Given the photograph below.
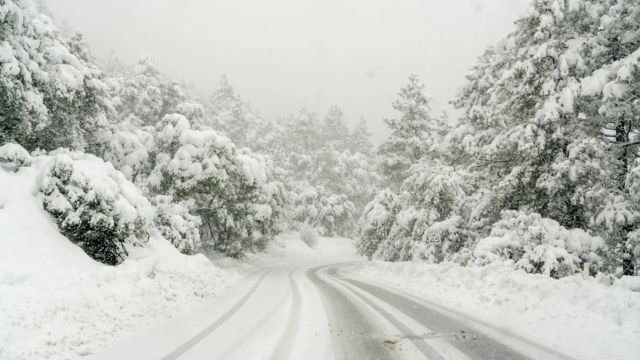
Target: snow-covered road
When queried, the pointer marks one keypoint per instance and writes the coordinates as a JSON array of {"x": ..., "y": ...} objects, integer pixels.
[{"x": 309, "y": 311}]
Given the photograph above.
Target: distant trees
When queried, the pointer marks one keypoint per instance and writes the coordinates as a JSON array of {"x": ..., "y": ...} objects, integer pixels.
[
  {"x": 327, "y": 170},
  {"x": 329, "y": 181}
]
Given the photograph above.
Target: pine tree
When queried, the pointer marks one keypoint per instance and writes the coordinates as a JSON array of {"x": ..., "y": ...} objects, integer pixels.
[
  {"x": 51, "y": 92},
  {"x": 360, "y": 139},
  {"x": 411, "y": 134},
  {"x": 334, "y": 129},
  {"x": 232, "y": 115}
]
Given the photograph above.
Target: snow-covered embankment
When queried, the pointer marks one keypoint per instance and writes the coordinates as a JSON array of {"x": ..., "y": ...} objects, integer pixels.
[{"x": 58, "y": 303}]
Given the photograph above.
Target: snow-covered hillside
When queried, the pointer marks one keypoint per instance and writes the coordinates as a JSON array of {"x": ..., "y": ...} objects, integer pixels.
[{"x": 58, "y": 303}]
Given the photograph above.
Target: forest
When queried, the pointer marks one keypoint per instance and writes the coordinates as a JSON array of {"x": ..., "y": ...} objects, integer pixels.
[{"x": 541, "y": 170}]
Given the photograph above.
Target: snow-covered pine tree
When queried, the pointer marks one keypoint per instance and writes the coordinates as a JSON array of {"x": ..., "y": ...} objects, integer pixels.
[
  {"x": 51, "y": 93},
  {"x": 376, "y": 222},
  {"x": 543, "y": 124},
  {"x": 527, "y": 122},
  {"x": 227, "y": 112},
  {"x": 613, "y": 90},
  {"x": 334, "y": 130},
  {"x": 360, "y": 139},
  {"x": 411, "y": 134}
]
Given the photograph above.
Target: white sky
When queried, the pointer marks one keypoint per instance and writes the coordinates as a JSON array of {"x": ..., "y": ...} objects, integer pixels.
[{"x": 284, "y": 54}]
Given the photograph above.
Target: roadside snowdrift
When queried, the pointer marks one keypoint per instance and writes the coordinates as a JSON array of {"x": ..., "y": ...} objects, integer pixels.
[
  {"x": 58, "y": 303},
  {"x": 584, "y": 318}
]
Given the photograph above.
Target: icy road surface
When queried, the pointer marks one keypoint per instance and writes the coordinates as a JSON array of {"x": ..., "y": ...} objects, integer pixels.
[{"x": 310, "y": 312}]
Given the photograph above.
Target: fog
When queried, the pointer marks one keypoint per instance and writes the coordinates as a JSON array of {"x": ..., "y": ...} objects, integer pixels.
[{"x": 282, "y": 55}]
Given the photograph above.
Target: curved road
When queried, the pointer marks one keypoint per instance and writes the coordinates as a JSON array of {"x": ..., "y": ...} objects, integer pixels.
[{"x": 311, "y": 312}]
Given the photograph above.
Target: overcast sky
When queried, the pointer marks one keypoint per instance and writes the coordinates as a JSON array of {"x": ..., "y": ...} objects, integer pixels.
[{"x": 285, "y": 54}]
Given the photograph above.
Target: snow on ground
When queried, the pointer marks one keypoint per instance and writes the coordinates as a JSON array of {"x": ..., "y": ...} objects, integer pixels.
[
  {"x": 287, "y": 248},
  {"x": 584, "y": 318},
  {"x": 57, "y": 303}
]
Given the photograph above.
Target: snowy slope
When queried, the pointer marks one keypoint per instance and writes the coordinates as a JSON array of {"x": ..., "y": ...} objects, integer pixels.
[
  {"x": 581, "y": 317},
  {"x": 27, "y": 231},
  {"x": 57, "y": 303}
]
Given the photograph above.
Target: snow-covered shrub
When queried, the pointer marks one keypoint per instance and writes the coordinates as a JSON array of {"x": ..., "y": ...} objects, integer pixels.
[
  {"x": 177, "y": 225},
  {"x": 309, "y": 235},
  {"x": 127, "y": 146},
  {"x": 95, "y": 206},
  {"x": 231, "y": 190},
  {"x": 376, "y": 222},
  {"x": 13, "y": 157},
  {"x": 539, "y": 245},
  {"x": 447, "y": 240}
]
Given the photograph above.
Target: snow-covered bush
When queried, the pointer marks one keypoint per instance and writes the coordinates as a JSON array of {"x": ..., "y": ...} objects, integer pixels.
[
  {"x": 13, "y": 157},
  {"x": 127, "y": 146},
  {"x": 447, "y": 240},
  {"x": 309, "y": 235},
  {"x": 95, "y": 206},
  {"x": 539, "y": 245},
  {"x": 177, "y": 225},
  {"x": 231, "y": 190}
]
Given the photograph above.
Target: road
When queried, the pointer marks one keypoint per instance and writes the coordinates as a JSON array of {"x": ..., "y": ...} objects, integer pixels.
[{"x": 312, "y": 312}]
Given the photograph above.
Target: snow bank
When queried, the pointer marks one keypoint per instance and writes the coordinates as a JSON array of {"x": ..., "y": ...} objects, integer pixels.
[
  {"x": 585, "y": 318},
  {"x": 57, "y": 303}
]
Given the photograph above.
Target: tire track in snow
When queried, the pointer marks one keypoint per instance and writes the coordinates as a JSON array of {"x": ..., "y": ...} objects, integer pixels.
[
  {"x": 259, "y": 324},
  {"x": 429, "y": 352},
  {"x": 209, "y": 329},
  {"x": 285, "y": 343},
  {"x": 484, "y": 347},
  {"x": 353, "y": 334}
]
